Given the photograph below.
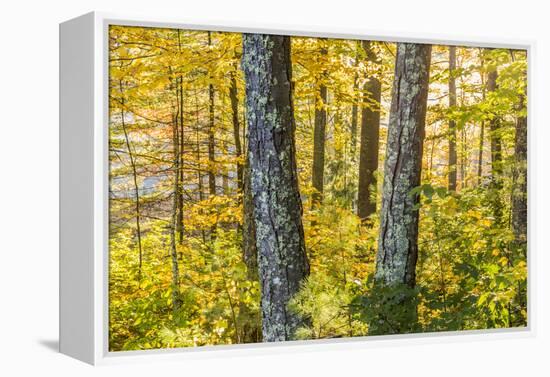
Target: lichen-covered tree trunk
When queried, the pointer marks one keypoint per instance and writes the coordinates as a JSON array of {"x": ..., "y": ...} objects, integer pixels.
[
  {"x": 251, "y": 330},
  {"x": 250, "y": 252},
  {"x": 519, "y": 197},
  {"x": 319, "y": 131},
  {"x": 452, "y": 123},
  {"x": 370, "y": 134},
  {"x": 519, "y": 211},
  {"x": 243, "y": 184},
  {"x": 282, "y": 260},
  {"x": 398, "y": 239}
]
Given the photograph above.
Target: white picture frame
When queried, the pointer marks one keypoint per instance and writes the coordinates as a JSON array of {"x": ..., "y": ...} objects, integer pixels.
[{"x": 84, "y": 190}]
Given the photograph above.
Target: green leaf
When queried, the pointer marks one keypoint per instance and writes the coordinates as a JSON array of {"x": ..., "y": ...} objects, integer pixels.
[{"x": 483, "y": 298}]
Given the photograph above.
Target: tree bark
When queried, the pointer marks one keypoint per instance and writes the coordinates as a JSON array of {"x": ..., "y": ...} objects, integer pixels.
[
  {"x": 179, "y": 193},
  {"x": 248, "y": 229},
  {"x": 176, "y": 300},
  {"x": 480, "y": 153},
  {"x": 317, "y": 176},
  {"x": 494, "y": 126},
  {"x": 398, "y": 240},
  {"x": 134, "y": 176},
  {"x": 180, "y": 227},
  {"x": 452, "y": 123},
  {"x": 354, "y": 109},
  {"x": 211, "y": 140},
  {"x": 482, "y": 129},
  {"x": 496, "y": 152},
  {"x": 250, "y": 251},
  {"x": 519, "y": 196},
  {"x": 370, "y": 134},
  {"x": 282, "y": 260},
  {"x": 198, "y": 158},
  {"x": 234, "y": 99},
  {"x": 212, "y": 166}
]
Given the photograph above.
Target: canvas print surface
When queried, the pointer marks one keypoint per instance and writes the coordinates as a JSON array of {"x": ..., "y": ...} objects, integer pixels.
[{"x": 271, "y": 188}]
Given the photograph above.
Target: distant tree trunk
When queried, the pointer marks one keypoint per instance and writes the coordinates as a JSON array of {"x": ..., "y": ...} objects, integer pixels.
[
  {"x": 282, "y": 260},
  {"x": 464, "y": 158},
  {"x": 519, "y": 196},
  {"x": 211, "y": 144},
  {"x": 354, "y": 108},
  {"x": 480, "y": 152},
  {"x": 181, "y": 141},
  {"x": 224, "y": 168},
  {"x": 198, "y": 158},
  {"x": 211, "y": 140},
  {"x": 319, "y": 131},
  {"x": 233, "y": 97},
  {"x": 452, "y": 123},
  {"x": 398, "y": 240},
  {"x": 176, "y": 300},
  {"x": 482, "y": 129},
  {"x": 494, "y": 125},
  {"x": 212, "y": 166},
  {"x": 496, "y": 152},
  {"x": 134, "y": 176},
  {"x": 353, "y": 128},
  {"x": 180, "y": 227},
  {"x": 370, "y": 134}
]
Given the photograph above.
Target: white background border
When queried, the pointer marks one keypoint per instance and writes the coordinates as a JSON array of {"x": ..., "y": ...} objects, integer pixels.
[{"x": 28, "y": 272}]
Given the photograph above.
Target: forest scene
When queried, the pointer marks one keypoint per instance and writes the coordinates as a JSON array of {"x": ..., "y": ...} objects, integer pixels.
[{"x": 272, "y": 188}]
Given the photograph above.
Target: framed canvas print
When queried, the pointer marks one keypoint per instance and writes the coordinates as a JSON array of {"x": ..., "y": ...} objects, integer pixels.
[{"x": 231, "y": 188}]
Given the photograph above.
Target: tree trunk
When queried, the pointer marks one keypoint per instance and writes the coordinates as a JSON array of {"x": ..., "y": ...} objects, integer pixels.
[
  {"x": 398, "y": 240},
  {"x": 452, "y": 123},
  {"x": 211, "y": 140},
  {"x": 317, "y": 176},
  {"x": 180, "y": 227},
  {"x": 198, "y": 157},
  {"x": 179, "y": 193},
  {"x": 211, "y": 144},
  {"x": 368, "y": 150},
  {"x": 354, "y": 109},
  {"x": 282, "y": 260},
  {"x": 176, "y": 300},
  {"x": 212, "y": 166},
  {"x": 136, "y": 186},
  {"x": 236, "y": 129},
  {"x": 480, "y": 153},
  {"x": 519, "y": 196},
  {"x": 250, "y": 252},
  {"x": 482, "y": 130},
  {"x": 494, "y": 126},
  {"x": 496, "y": 153}
]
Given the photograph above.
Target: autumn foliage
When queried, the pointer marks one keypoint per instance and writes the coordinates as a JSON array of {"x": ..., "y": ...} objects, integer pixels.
[{"x": 180, "y": 271}]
